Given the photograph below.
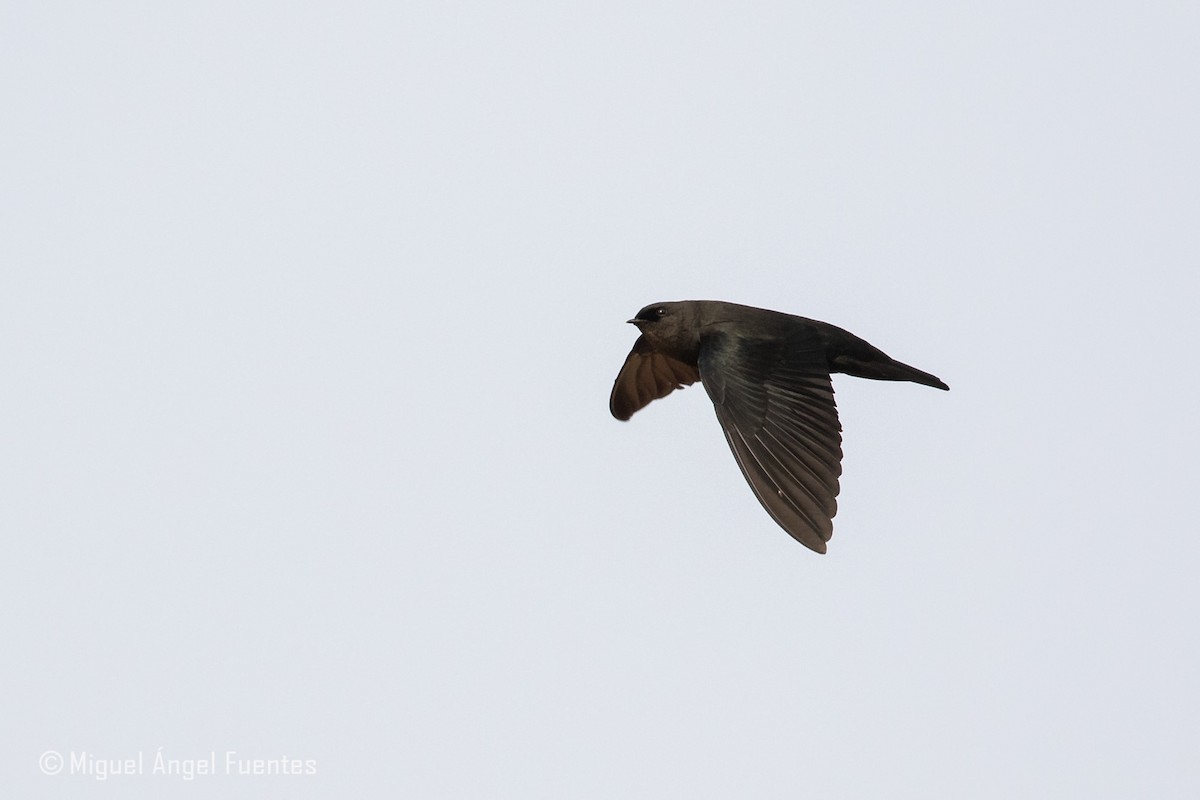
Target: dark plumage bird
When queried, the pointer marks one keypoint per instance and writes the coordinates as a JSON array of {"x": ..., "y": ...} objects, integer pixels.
[{"x": 767, "y": 373}]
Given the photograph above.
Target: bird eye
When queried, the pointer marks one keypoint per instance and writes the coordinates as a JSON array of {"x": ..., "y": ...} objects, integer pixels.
[{"x": 652, "y": 313}]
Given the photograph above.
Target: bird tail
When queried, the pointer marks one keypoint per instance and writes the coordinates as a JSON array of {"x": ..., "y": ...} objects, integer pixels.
[
  {"x": 906, "y": 373},
  {"x": 888, "y": 369}
]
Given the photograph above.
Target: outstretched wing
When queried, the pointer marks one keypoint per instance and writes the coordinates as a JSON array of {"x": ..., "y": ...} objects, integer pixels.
[
  {"x": 646, "y": 376},
  {"x": 775, "y": 402}
]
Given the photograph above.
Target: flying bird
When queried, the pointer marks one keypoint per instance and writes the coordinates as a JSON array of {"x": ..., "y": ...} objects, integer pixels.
[{"x": 768, "y": 375}]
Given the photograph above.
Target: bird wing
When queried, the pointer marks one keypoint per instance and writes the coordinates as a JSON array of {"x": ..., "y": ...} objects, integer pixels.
[
  {"x": 774, "y": 400},
  {"x": 646, "y": 376}
]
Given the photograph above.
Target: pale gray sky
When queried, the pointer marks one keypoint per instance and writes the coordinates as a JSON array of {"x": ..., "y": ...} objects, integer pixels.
[{"x": 308, "y": 319}]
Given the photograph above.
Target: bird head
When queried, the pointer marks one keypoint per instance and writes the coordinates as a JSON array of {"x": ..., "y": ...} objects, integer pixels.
[{"x": 671, "y": 327}]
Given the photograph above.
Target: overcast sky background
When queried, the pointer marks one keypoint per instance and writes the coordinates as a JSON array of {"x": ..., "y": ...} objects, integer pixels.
[{"x": 309, "y": 314}]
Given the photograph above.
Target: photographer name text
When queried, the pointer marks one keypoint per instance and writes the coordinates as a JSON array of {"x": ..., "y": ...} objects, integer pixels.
[{"x": 224, "y": 763}]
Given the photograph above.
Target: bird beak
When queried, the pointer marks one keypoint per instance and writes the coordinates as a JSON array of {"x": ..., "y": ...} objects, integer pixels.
[{"x": 631, "y": 321}]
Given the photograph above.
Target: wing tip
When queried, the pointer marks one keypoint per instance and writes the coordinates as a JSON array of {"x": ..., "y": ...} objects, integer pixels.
[{"x": 811, "y": 537}]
